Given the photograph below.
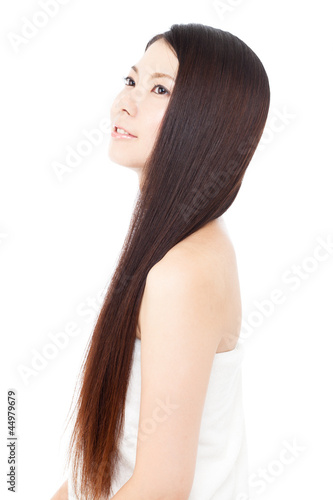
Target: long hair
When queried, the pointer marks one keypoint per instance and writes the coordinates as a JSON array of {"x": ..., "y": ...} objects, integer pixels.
[{"x": 213, "y": 123}]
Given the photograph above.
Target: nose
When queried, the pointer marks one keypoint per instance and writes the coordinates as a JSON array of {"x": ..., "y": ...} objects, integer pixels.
[{"x": 127, "y": 102}]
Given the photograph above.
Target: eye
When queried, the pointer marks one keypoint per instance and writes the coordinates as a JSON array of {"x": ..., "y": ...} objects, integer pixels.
[
  {"x": 165, "y": 91},
  {"x": 128, "y": 79},
  {"x": 129, "y": 82}
]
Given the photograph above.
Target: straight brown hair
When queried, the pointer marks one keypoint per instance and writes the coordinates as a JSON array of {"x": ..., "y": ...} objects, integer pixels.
[{"x": 213, "y": 123}]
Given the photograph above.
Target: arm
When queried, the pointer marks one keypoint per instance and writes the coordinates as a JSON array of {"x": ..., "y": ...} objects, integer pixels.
[
  {"x": 132, "y": 490},
  {"x": 180, "y": 332},
  {"x": 62, "y": 493}
]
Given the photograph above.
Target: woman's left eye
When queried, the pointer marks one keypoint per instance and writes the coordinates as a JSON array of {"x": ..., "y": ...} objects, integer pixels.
[{"x": 165, "y": 91}]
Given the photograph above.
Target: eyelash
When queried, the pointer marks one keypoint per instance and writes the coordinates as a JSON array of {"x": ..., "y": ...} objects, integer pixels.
[{"x": 126, "y": 78}]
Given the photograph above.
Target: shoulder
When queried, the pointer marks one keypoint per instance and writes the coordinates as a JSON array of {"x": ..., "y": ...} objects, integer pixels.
[
  {"x": 197, "y": 279},
  {"x": 207, "y": 258},
  {"x": 192, "y": 279},
  {"x": 181, "y": 267}
]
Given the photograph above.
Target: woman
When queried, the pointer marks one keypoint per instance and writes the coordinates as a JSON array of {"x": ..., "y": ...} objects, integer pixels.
[{"x": 165, "y": 345}]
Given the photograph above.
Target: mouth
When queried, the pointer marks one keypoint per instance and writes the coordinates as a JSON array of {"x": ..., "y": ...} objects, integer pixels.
[{"x": 120, "y": 132}]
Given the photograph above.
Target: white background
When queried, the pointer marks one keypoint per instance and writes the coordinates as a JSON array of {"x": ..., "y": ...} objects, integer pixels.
[{"x": 60, "y": 238}]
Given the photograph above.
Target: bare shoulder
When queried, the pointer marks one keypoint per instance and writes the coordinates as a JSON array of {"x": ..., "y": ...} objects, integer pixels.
[
  {"x": 62, "y": 493},
  {"x": 208, "y": 254},
  {"x": 203, "y": 265}
]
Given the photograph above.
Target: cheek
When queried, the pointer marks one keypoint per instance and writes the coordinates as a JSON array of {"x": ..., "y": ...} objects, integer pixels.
[{"x": 154, "y": 123}]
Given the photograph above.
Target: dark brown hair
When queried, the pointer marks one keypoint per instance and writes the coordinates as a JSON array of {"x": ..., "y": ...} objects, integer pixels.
[{"x": 213, "y": 123}]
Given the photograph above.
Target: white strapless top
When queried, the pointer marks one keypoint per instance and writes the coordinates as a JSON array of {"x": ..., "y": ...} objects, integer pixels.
[{"x": 221, "y": 471}]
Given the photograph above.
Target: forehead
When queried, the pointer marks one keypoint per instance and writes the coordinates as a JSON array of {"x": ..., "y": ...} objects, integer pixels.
[{"x": 159, "y": 57}]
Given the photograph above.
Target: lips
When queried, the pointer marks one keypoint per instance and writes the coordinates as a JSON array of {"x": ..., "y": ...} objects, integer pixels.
[{"x": 123, "y": 128}]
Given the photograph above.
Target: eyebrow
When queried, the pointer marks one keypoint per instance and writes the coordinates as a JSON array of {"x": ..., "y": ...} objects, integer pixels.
[{"x": 154, "y": 75}]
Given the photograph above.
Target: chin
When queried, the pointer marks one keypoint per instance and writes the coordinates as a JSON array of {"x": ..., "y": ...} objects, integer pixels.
[{"x": 125, "y": 162}]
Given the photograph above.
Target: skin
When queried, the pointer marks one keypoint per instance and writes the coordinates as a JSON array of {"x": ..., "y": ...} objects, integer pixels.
[
  {"x": 62, "y": 493},
  {"x": 140, "y": 107}
]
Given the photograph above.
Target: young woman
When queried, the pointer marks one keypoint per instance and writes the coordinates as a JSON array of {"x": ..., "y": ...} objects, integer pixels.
[{"x": 159, "y": 414}]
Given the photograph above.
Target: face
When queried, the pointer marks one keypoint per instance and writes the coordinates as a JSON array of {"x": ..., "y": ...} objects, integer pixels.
[{"x": 139, "y": 108}]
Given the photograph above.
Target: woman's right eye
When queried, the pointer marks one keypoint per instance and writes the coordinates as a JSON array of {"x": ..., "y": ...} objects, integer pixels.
[{"x": 127, "y": 80}]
